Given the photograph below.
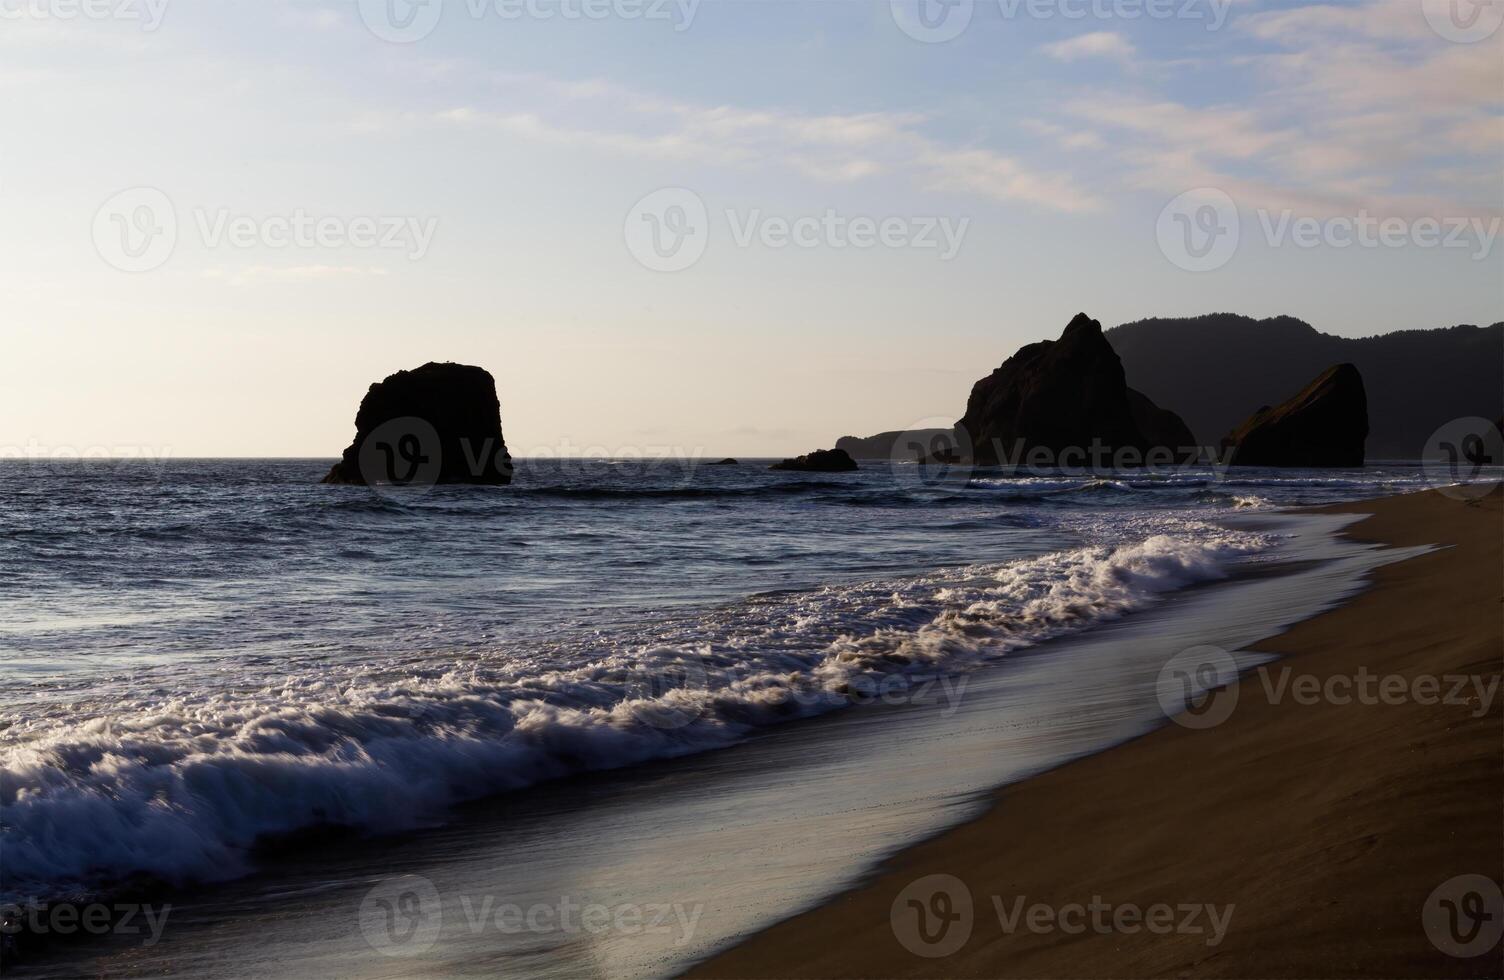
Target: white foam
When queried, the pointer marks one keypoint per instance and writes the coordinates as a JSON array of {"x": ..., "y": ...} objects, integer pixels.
[{"x": 180, "y": 785}]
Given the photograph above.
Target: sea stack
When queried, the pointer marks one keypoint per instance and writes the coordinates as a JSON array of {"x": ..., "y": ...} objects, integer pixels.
[
  {"x": 1066, "y": 395},
  {"x": 820, "y": 461},
  {"x": 1325, "y": 424},
  {"x": 440, "y": 423}
]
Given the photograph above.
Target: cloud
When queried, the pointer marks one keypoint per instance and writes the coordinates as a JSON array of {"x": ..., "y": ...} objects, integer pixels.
[
  {"x": 1098, "y": 44},
  {"x": 836, "y": 147},
  {"x": 1344, "y": 107},
  {"x": 1069, "y": 137},
  {"x": 1380, "y": 19},
  {"x": 1218, "y": 130},
  {"x": 1481, "y": 134},
  {"x": 1002, "y": 179}
]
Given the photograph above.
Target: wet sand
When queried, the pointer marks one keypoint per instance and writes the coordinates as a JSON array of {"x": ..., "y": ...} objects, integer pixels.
[{"x": 1326, "y": 827}]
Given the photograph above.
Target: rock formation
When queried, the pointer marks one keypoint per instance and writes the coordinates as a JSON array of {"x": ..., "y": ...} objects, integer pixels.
[
  {"x": 1326, "y": 424},
  {"x": 1160, "y": 426},
  {"x": 440, "y": 423},
  {"x": 820, "y": 461},
  {"x": 1065, "y": 396},
  {"x": 1213, "y": 369},
  {"x": 1481, "y": 458},
  {"x": 728, "y": 461},
  {"x": 905, "y": 444}
]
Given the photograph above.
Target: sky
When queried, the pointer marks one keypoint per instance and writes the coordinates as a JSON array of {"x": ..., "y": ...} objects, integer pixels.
[{"x": 701, "y": 227}]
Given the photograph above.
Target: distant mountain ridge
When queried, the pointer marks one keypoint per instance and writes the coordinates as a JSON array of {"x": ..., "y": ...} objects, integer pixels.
[{"x": 1215, "y": 370}]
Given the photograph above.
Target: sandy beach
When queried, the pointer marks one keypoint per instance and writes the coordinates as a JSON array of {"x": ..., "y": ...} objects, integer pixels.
[{"x": 1302, "y": 836}]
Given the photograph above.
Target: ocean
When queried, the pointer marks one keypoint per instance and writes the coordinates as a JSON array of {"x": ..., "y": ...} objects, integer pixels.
[{"x": 205, "y": 656}]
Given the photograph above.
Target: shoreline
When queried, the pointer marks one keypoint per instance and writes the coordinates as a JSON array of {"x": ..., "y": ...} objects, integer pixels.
[
  {"x": 805, "y": 784},
  {"x": 808, "y": 785},
  {"x": 1320, "y": 830}
]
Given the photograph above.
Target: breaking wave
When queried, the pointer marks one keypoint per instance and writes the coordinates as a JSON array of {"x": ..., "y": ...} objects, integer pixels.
[{"x": 181, "y": 786}]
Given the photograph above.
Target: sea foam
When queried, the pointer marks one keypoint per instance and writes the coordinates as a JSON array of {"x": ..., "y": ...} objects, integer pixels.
[{"x": 180, "y": 786}]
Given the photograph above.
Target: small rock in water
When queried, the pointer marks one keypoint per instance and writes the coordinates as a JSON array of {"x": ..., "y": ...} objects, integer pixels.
[{"x": 820, "y": 461}]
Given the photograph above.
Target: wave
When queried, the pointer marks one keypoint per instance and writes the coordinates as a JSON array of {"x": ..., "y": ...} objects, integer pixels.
[
  {"x": 462, "y": 500},
  {"x": 784, "y": 489},
  {"x": 181, "y": 787},
  {"x": 850, "y": 493}
]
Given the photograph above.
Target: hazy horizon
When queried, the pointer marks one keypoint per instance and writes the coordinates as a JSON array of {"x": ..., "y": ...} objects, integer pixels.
[
  {"x": 224, "y": 223},
  {"x": 568, "y": 448}
]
